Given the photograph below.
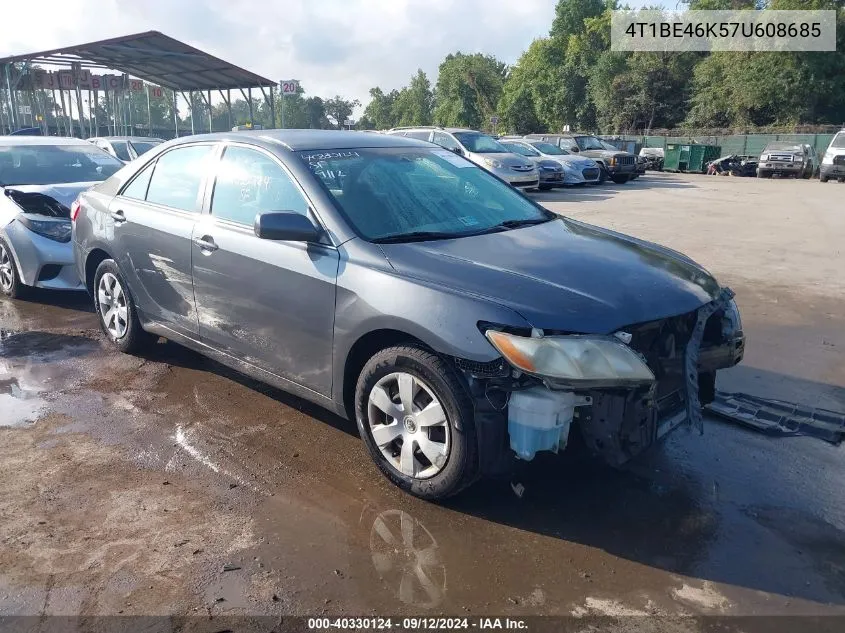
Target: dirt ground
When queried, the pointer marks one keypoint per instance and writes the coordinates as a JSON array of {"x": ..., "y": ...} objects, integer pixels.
[{"x": 166, "y": 484}]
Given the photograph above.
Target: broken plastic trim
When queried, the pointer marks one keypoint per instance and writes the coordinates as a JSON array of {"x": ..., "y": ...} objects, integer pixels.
[
  {"x": 38, "y": 204},
  {"x": 694, "y": 417}
]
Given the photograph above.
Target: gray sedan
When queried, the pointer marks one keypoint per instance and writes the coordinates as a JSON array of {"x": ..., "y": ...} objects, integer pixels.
[
  {"x": 399, "y": 285},
  {"x": 39, "y": 179}
]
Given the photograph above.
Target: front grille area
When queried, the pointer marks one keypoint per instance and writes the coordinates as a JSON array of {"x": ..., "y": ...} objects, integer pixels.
[
  {"x": 839, "y": 160},
  {"x": 522, "y": 168},
  {"x": 591, "y": 173},
  {"x": 625, "y": 160}
]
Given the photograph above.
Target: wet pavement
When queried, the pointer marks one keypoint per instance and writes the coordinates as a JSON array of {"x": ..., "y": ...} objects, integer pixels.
[{"x": 167, "y": 484}]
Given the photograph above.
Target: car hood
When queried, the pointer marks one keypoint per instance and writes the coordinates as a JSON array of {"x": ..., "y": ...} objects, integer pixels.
[
  {"x": 507, "y": 159},
  {"x": 563, "y": 275},
  {"x": 64, "y": 193},
  {"x": 578, "y": 162},
  {"x": 603, "y": 153}
]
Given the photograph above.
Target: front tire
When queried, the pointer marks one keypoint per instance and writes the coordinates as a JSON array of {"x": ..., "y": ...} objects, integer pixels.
[
  {"x": 416, "y": 419},
  {"x": 116, "y": 310},
  {"x": 10, "y": 281},
  {"x": 620, "y": 180}
]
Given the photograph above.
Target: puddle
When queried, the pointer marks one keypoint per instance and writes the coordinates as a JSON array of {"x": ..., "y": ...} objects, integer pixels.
[{"x": 19, "y": 407}]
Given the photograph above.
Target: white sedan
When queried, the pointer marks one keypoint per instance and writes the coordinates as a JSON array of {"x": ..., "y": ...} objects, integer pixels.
[{"x": 578, "y": 169}]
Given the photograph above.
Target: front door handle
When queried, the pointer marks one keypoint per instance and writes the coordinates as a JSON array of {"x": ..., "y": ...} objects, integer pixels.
[
  {"x": 206, "y": 243},
  {"x": 118, "y": 216}
]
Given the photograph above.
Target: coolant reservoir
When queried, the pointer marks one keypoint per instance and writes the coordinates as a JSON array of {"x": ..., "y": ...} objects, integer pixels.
[{"x": 539, "y": 420}]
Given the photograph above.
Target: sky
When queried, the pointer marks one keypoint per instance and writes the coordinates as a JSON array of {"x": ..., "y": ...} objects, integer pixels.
[{"x": 333, "y": 47}]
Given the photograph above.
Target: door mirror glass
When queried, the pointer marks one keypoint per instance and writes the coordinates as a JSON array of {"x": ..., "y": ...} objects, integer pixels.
[
  {"x": 286, "y": 226},
  {"x": 458, "y": 151}
]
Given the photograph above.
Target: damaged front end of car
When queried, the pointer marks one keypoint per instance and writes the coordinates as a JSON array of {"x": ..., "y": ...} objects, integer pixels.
[{"x": 624, "y": 391}]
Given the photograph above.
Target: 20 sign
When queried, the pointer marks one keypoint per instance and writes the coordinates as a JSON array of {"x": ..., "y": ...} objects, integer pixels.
[{"x": 290, "y": 86}]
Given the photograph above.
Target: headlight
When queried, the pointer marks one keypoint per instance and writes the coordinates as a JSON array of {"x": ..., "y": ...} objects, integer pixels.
[
  {"x": 579, "y": 360},
  {"x": 828, "y": 158},
  {"x": 764, "y": 157},
  {"x": 492, "y": 163},
  {"x": 58, "y": 230},
  {"x": 612, "y": 161}
]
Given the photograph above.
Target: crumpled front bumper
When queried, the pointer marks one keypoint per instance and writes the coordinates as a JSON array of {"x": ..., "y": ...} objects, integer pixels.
[
  {"x": 42, "y": 262},
  {"x": 621, "y": 423}
]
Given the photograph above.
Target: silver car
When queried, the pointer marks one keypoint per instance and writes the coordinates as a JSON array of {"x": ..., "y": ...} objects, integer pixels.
[
  {"x": 481, "y": 149},
  {"x": 578, "y": 169},
  {"x": 40, "y": 177},
  {"x": 126, "y": 148}
]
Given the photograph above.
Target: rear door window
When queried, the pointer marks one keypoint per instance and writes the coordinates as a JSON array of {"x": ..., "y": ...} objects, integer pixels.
[
  {"x": 137, "y": 189},
  {"x": 445, "y": 140},
  {"x": 248, "y": 183},
  {"x": 178, "y": 176}
]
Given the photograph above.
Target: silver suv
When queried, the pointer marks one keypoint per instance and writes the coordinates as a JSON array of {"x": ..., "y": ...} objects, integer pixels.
[
  {"x": 617, "y": 165},
  {"x": 483, "y": 150}
]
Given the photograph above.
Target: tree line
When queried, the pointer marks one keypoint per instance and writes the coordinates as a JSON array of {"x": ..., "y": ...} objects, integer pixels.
[{"x": 571, "y": 77}]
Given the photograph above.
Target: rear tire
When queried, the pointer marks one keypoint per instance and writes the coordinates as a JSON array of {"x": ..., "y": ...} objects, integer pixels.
[
  {"x": 116, "y": 310},
  {"x": 457, "y": 465},
  {"x": 10, "y": 281}
]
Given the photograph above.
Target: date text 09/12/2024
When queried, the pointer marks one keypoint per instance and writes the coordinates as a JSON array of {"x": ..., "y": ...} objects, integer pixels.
[{"x": 416, "y": 624}]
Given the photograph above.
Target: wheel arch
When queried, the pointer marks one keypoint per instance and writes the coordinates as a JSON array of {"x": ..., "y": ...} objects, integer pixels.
[
  {"x": 364, "y": 348},
  {"x": 95, "y": 257}
]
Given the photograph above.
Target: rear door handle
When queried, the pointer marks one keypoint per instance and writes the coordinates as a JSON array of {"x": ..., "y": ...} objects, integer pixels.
[
  {"x": 206, "y": 243},
  {"x": 118, "y": 216}
]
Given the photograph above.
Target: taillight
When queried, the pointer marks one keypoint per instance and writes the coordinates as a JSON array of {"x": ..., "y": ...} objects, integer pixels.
[{"x": 74, "y": 210}]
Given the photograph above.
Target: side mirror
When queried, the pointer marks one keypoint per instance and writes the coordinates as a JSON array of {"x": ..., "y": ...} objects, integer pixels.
[
  {"x": 574, "y": 148},
  {"x": 286, "y": 226},
  {"x": 458, "y": 151}
]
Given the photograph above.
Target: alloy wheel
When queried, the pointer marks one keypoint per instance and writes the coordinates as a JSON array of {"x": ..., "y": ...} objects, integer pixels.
[
  {"x": 409, "y": 425},
  {"x": 7, "y": 273},
  {"x": 113, "y": 310}
]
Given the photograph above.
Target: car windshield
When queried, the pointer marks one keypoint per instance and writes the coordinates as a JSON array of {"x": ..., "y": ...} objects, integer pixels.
[
  {"x": 142, "y": 147},
  {"x": 610, "y": 146},
  {"x": 519, "y": 148},
  {"x": 121, "y": 150},
  {"x": 789, "y": 147},
  {"x": 838, "y": 140},
  {"x": 480, "y": 143},
  {"x": 549, "y": 149},
  {"x": 589, "y": 142},
  {"x": 54, "y": 164},
  {"x": 405, "y": 194}
]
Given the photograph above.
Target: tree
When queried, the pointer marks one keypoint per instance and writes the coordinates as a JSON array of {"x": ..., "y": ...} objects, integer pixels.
[
  {"x": 414, "y": 103},
  {"x": 468, "y": 89},
  {"x": 380, "y": 109},
  {"x": 570, "y": 16},
  {"x": 315, "y": 114},
  {"x": 340, "y": 109}
]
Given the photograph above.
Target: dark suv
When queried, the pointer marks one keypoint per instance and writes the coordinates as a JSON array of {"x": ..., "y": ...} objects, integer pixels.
[{"x": 617, "y": 165}]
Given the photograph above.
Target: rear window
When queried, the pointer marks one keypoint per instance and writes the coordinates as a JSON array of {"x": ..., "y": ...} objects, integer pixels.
[{"x": 55, "y": 164}]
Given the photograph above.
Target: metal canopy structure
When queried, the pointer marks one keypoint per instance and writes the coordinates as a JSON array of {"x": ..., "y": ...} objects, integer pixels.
[{"x": 152, "y": 57}]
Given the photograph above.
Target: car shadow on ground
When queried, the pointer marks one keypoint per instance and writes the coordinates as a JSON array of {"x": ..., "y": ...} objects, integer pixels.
[
  {"x": 69, "y": 300},
  {"x": 675, "y": 509},
  {"x": 731, "y": 507},
  {"x": 588, "y": 193},
  {"x": 174, "y": 354}
]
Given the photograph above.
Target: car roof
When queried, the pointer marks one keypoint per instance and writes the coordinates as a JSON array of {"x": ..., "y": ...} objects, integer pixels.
[
  {"x": 125, "y": 138},
  {"x": 297, "y": 140},
  {"x": 40, "y": 140}
]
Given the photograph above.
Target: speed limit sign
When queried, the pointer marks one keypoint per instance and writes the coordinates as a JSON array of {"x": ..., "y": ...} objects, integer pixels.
[{"x": 289, "y": 86}]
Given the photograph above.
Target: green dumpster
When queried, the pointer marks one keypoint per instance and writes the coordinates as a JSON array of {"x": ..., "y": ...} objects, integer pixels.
[{"x": 690, "y": 158}]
